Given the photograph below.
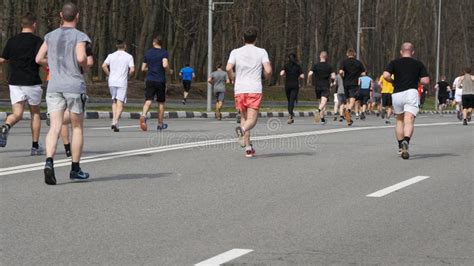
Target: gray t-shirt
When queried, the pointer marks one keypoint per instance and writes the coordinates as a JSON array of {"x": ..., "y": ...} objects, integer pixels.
[
  {"x": 467, "y": 85},
  {"x": 339, "y": 84},
  {"x": 219, "y": 78},
  {"x": 66, "y": 75}
]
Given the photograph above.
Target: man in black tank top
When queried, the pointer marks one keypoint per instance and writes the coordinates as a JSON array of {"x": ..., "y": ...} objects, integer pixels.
[{"x": 408, "y": 72}]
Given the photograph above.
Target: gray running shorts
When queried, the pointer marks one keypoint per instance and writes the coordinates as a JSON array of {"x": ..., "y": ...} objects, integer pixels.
[{"x": 61, "y": 101}]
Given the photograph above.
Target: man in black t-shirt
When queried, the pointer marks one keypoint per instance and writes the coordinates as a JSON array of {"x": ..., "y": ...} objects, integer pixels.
[
  {"x": 24, "y": 80},
  {"x": 323, "y": 74},
  {"x": 350, "y": 69},
  {"x": 443, "y": 89},
  {"x": 408, "y": 73}
]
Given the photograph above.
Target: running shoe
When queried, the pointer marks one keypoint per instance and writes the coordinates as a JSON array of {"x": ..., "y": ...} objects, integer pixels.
[
  {"x": 162, "y": 126},
  {"x": 405, "y": 154},
  {"x": 68, "y": 153},
  {"x": 249, "y": 152},
  {"x": 362, "y": 116},
  {"x": 347, "y": 116},
  {"x": 37, "y": 151},
  {"x": 464, "y": 122},
  {"x": 357, "y": 116},
  {"x": 143, "y": 124},
  {"x": 291, "y": 120},
  {"x": 78, "y": 175},
  {"x": 341, "y": 118},
  {"x": 49, "y": 177},
  {"x": 350, "y": 123},
  {"x": 335, "y": 116},
  {"x": 115, "y": 128},
  {"x": 323, "y": 121},
  {"x": 459, "y": 115},
  {"x": 378, "y": 114},
  {"x": 240, "y": 135},
  {"x": 387, "y": 122},
  {"x": 184, "y": 101},
  {"x": 317, "y": 117},
  {"x": 383, "y": 113},
  {"x": 3, "y": 136}
]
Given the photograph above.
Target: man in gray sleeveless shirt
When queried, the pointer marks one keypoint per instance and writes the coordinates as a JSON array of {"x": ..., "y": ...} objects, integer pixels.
[
  {"x": 218, "y": 79},
  {"x": 64, "y": 50}
]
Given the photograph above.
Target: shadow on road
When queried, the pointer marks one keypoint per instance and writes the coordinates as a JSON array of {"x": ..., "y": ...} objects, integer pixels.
[
  {"x": 289, "y": 154},
  {"x": 431, "y": 155},
  {"x": 120, "y": 177}
]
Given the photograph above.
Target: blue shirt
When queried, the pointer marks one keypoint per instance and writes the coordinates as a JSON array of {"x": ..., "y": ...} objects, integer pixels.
[
  {"x": 365, "y": 82},
  {"x": 154, "y": 59},
  {"x": 187, "y": 73}
]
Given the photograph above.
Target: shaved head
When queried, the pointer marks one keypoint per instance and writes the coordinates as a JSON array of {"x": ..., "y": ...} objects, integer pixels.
[
  {"x": 69, "y": 12},
  {"x": 323, "y": 54},
  {"x": 407, "y": 47}
]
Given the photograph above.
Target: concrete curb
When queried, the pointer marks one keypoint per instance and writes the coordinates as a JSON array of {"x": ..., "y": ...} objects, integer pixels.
[{"x": 190, "y": 114}]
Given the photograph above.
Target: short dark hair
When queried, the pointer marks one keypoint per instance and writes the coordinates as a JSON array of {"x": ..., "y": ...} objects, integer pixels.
[
  {"x": 28, "y": 19},
  {"x": 351, "y": 52},
  {"x": 187, "y": 64},
  {"x": 120, "y": 44},
  {"x": 218, "y": 65},
  {"x": 250, "y": 34},
  {"x": 467, "y": 70},
  {"x": 158, "y": 40},
  {"x": 69, "y": 11}
]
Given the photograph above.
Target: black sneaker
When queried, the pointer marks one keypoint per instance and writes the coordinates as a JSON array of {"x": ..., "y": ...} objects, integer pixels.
[
  {"x": 323, "y": 121},
  {"x": 362, "y": 116},
  {"x": 387, "y": 122},
  {"x": 464, "y": 122},
  {"x": 162, "y": 126},
  {"x": 68, "y": 153},
  {"x": 49, "y": 177},
  {"x": 3, "y": 136},
  {"x": 80, "y": 175},
  {"x": 350, "y": 123},
  {"x": 184, "y": 101},
  {"x": 405, "y": 154},
  {"x": 115, "y": 128}
]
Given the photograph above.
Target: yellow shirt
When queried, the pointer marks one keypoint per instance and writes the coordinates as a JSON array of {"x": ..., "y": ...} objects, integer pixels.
[{"x": 387, "y": 87}]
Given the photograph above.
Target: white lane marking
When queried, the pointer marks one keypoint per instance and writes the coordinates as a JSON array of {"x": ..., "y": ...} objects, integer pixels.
[
  {"x": 224, "y": 257},
  {"x": 397, "y": 186},
  {"x": 102, "y": 128},
  {"x": 113, "y": 155}
]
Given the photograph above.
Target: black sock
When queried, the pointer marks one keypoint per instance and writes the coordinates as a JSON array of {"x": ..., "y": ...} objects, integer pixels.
[
  {"x": 49, "y": 160},
  {"x": 35, "y": 145},
  {"x": 67, "y": 147},
  {"x": 8, "y": 126},
  {"x": 407, "y": 139},
  {"x": 75, "y": 167}
]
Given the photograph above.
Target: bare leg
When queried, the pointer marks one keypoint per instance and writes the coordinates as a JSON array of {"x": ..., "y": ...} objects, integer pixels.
[
  {"x": 161, "y": 112},
  {"x": 118, "y": 110},
  {"x": 65, "y": 128},
  {"x": 146, "y": 107},
  {"x": 399, "y": 128},
  {"x": 249, "y": 123},
  {"x": 77, "y": 124},
  {"x": 53, "y": 133},
  {"x": 17, "y": 113},
  {"x": 114, "y": 111},
  {"x": 322, "y": 105},
  {"x": 35, "y": 122},
  {"x": 409, "y": 124}
]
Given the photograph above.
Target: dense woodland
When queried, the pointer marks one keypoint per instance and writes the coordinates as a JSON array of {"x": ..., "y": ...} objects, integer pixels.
[{"x": 301, "y": 26}]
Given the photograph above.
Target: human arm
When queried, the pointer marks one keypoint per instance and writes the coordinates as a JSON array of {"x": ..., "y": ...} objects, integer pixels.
[{"x": 41, "y": 56}]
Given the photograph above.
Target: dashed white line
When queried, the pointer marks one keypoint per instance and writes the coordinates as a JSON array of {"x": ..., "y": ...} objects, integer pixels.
[
  {"x": 398, "y": 186},
  {"x": 224, "y": 257}
]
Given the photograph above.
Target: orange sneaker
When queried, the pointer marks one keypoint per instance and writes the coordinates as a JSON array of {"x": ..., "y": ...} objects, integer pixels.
[{"x": 143, "y": 125}]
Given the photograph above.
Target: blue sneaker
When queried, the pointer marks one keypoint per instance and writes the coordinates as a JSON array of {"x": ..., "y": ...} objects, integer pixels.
[
  {"x": 81, "y": 175},
  {"x": 49, "y": 177},
  {"x": 162, "y": 126}
]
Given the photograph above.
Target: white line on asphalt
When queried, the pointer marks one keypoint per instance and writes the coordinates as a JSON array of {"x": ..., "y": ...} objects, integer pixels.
[
  {"x": 224, "y": 257},
  {"x": 113, "y": 155},
  {"x": 102, "y": 128},
  {"x": 397, "y": 186}
]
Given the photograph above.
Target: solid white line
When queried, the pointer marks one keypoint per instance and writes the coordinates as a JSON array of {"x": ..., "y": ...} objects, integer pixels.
[
  {"x": 397, "y": 186},
  {"x": 102, "y": 128},
  {"x": 113, "y": 155},
  {"x": 224, "y": 257}
]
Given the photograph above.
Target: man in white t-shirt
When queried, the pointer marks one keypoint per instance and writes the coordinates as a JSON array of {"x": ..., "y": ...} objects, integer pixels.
[
  {"x": 119, "y": 67},
  {"x": 249, "y": 62}
]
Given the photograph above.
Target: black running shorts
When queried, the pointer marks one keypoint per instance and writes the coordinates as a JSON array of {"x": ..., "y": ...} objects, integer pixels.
[
  {"x": 351, "y": 91},
  {"x": 155, "y": 88},
  {"x": 187, "y": 85},
  {"x": 386, "y": 99},
  {"x": 468, "y": 101},
  {"x": 322, "y": 92}
]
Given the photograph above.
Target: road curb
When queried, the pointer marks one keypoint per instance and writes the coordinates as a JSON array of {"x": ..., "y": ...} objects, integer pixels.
[{"x": 190, "y": 114}]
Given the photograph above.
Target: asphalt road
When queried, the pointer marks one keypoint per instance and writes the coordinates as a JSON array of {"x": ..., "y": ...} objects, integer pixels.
[{"x": 188, "y": 194}]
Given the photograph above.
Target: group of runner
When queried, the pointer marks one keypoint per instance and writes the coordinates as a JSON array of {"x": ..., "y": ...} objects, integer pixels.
[{"x": 66, "y": 52}]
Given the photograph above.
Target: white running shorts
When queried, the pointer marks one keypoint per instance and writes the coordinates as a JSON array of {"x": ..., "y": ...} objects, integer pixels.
[
  {"x": 458, "y": 95},
  {"x": 32, "y": 94},
  {"x": 335, "y": 98},
  {"x": 119, "y": 93},
  {"x": 406, "y": 101}
]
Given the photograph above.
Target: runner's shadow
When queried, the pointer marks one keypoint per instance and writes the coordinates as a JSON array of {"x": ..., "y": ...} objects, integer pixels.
[
  {"x": 120, "y": 178},
  {"x": 275, "y": 155},
  {"x": 431, "y": 155}
]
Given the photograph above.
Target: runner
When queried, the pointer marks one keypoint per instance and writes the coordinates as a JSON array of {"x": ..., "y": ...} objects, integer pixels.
[
  {"x": 248, "y": 61},
  {"x": 376, "y": 99},
  {"x": 423, "y": 95},
  {"x": 408, "y": 73},
  {"x": 387, "y": 90},
  {"x": 218, "y": 79},
  {"x": 24, "y": 80},
  {"x": 187, "y": 74},
  {"x": 467, "y": 95},
  {"x": 365, "y": 85},
  {"x": 118, "y": 66},
  {"x": 65, "y": 48},
  {"x": 341, "y": 98},
  {"x": 350, "y": 70},
  {"x": 323, "y": 74},
  {"x": 155, "y": 63},
  {"x": 293, "y": 74},
  {"x": 457, "y": 85},
  {"x": 443, "y": 89}
]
